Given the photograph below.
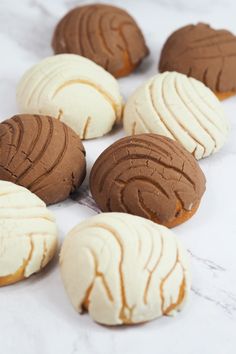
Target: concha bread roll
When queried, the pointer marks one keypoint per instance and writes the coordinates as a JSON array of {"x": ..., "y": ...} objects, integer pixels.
[
  {"x": 106, "y": 34},
  {"x": 28, "y": 233},
  {"x": 148, "y": 175},
  {"x": 124, "y": 269},
  {"x": 75, "y": 90},
  {"x": 205, "y": 53},
  {"x": 43, "y": 155},
  {"x": 181, "y": 108}
]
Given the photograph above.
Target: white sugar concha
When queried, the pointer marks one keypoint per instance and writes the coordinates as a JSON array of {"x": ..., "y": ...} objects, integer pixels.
[
  {"x": 73, "y": 89},
  {"x": 181, "y": 108},
  {"x": 28, "y": 233},
  {"x": 124, "y": 269}
]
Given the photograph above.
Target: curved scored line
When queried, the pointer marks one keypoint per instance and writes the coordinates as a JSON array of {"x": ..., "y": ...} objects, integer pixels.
[
  {"x": 181, "y": 125},
  {"x": 206, "y": 102},
  {"x": 91, "y": 84},
  {"x": 116, "y": 236},
  {"x": 45, "y": 251},
  {"x": 141, "y": 119},
  {"x": 148, "y": 180},
  {"x": 79, "y": 23},
  {"x": 41, "y": 84},
  {"x": 85, "y": 130},
  {"x": 203, "y": 113},
  {"x": 180, "y": 200},
  {"x": 19, "y": 130},
  {"x": 177, "y": 150},
  {"x": 108, "y": 50},
  {"x": 152, "y": 215},
  {"x": 100, "y": 275},
  {"x": 135, "y": 157},
  {"x": 60, "y": 157},
  {"x": 217, "y": 44},
  {"x": 121, "y": 24},
  {"x": 153, "y": 270},
  {"x": 214, "y": 57},
  {"x": 9, "y": 171},
  {"x": 194, "y": 115},
  {"x": 215, "y": 35},
  {"x": 133, "y": 127},
  {"x": 120, "y": 30},
  {"x": 191, "y": 48},
  {"x": 38, "y": 158},
  {"x": 147, "y": 211},
  {"x": 45, "y": 233},
  {"x": 219, "y": 76},
  {"x": 165, "y": 124},
  {"x": 182, "y": 288},
  {"x": 46, "y": 80},
  {"x": 12, "y": 132},
  {"x": 33, "y": 142},
  {"x": 88, "y": 32},
  {"x": 151, "y": 251},
  {"x": 174, "y": 305},
  {"x": 165, "y": 279},
  {"x": 121, "y": 197}
]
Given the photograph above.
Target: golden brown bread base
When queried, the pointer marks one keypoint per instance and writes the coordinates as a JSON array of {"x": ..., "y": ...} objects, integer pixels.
[
  {"x": 224, "y": 95},
  {"x": 166, "y": 312},
  {"x": 13, "y": 278},
  {"x": 184, "y": 216},
  {"x": 128, "y": 67}
]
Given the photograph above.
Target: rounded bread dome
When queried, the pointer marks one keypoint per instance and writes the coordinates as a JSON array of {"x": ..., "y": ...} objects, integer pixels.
[
  {"x": 148, "y": 175},
  {"x": 43, "y": 155},
  {"x": 181, "y": 108},
  {"x": 105, "y": 34},
  {"x": 28, "y": 233},
  {"x": 202, "y": 52},
  {"x": 72, "y": 89},
  {"x": 124, "y": 269}
]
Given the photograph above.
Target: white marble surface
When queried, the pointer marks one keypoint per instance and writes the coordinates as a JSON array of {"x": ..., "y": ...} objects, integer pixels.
[{"x": 35, "y": 315}]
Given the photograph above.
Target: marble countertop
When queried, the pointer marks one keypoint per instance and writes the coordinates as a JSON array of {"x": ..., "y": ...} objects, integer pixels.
[{"x": 35, "y": 315}]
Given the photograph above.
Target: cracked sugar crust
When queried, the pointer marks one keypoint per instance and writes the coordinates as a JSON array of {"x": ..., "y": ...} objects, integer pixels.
[
  {"x": 181, "y": 108},
  {"x": 63, "y": 86},
  {"x": 28, "y": 233},
  {"x": 39, "y": 153},
  {"x": 105, "y": 34},
  {"x": 124, "y": 269},
  {"x": 202, "y": 52},
  {"x": 150, "y": 176}
]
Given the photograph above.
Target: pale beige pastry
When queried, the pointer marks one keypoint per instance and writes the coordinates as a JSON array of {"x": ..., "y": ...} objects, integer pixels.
[
  {"x": 28, "y": 233},
  {"x": 181, "y": 108},
  {"x": 124, "y": 269},
  {"x": 75, "y": 90}
]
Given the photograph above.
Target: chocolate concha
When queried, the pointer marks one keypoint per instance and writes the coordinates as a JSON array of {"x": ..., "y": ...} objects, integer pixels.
[
  {"x": 105, "y": 34},
  {"x": 42, "y": 154},
  {"x": 202, "y": 52},
  {"x": 150, "y": 176}
]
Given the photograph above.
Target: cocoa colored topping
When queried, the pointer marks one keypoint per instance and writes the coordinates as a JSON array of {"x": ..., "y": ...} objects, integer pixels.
[
  {"x": 150, "y": 176},
  {"x": 204, "y": 53},
  {"x": 105, "y": 34},
  {"x": 41, "y": 154}
]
